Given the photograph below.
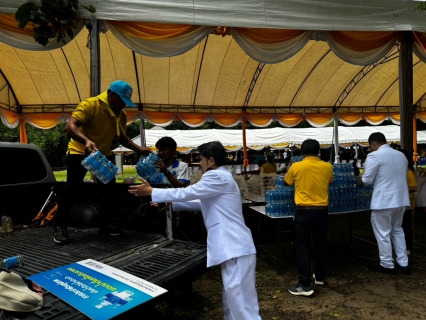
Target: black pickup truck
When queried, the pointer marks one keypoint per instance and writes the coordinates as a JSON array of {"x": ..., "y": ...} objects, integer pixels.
[{"x": 146, "y": 250}]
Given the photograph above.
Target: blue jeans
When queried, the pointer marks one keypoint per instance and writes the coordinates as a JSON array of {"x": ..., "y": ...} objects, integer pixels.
[{"x": 311, "y": 222}]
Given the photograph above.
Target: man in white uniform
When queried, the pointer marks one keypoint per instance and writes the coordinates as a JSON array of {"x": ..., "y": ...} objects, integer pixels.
[
  {"x": 386, "y": 168},
  {"x": 229, "y": 241}
]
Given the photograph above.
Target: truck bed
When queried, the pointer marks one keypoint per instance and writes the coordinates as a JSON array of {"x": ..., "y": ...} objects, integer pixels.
[{"x": 171, "y": 264}]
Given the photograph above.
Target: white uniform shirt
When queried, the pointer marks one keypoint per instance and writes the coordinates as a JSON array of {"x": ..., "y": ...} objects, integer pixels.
[
  {"x": 387, "y": 169},
  {"x": 218, "y": 197}
]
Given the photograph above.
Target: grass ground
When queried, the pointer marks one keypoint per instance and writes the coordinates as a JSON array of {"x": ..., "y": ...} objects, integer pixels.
[{"x": 129, "y": 171}]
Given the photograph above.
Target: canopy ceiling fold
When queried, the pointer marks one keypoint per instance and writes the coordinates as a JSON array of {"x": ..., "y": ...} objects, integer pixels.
[
  {"x": 276, "y": 138},
  {"x": 280, "y": 14}
]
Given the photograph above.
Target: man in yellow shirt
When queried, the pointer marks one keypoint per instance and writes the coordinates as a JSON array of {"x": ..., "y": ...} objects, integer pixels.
[
  {"x": 93, "y": 126},
  {"x": 266, "y": 167},
  {"x": 311, "y": 178}
]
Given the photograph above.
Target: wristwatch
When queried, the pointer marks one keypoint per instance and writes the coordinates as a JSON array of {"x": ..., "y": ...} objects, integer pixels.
[{"x": 168, "y": 173}]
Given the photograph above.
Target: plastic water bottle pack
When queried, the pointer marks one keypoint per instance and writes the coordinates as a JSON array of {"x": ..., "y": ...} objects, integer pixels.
[
  {"x": 97, "y": 164},
  {"x": 146, "y": 166},
  {"x": 11, "y": 262},
  {"x": 280, "y": 202}
]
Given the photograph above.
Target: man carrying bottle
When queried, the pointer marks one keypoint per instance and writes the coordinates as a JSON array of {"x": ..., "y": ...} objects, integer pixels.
[
  {"x": 93, "y": 126},
  {"x": 311, "y": 178}
]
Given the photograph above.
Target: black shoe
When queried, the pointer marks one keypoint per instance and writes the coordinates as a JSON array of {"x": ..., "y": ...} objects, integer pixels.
[
  {"x": 404, "y": 270},
  {"x": 60, "y": 235},
  {"x": 382, "y": 269},
  {"x": 111, "y": 230},
  {"x": 299, "y": 290}
]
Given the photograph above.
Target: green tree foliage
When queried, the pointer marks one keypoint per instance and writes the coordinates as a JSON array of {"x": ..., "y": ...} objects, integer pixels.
[{"x": 54, "y": 19}]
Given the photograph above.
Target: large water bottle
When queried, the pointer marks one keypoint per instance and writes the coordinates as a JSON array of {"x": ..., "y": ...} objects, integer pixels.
[{"x": 11, "y": 262}]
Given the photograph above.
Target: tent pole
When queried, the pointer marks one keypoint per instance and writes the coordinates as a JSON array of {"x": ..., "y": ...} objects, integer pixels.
[
  {"x": 245, "y": 142},
  {"x": 415, "y": 154},
  {"x": 406, "y": 90},
  {"x": 142, "y": 130},
  {"x": 336, "y": 138},
  {"x": 95, "y": 61}
]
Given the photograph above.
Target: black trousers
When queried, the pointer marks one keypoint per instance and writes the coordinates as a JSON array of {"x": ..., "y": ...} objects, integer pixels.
[
  {"x": 407, "y": 226},
  {"x": 75, "y": 175},
  {"x": 311, "y": 223}
]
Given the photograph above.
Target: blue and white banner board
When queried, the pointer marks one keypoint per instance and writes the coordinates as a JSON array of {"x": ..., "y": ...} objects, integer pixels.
[{"x": 96, "y": 289}]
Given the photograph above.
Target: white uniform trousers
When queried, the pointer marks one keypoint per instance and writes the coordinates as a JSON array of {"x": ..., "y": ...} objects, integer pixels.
[
  {"x": 386, "y": 225},
  {"x": 239, "y": 295}
]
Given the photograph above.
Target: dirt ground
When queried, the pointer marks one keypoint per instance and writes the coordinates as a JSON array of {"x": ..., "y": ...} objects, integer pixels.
[{"x": 352, "y": 290}]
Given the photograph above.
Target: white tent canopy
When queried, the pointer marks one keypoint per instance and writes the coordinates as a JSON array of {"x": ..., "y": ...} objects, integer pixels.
[
  {"x": 277, "y": 138},
  {"x": 289, "y": 14}
]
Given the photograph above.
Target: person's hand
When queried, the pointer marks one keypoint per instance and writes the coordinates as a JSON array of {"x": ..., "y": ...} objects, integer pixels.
[
  {"x": 145, "y": 150},
  {"x": 360, "y": 183},
  {"x": 140, "y": 190},
  {"x": 89, "y": 147},
  {"x": 160, "y": 165}
]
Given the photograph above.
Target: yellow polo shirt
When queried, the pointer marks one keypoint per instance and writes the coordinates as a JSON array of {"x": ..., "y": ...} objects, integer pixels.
[
  {"x": 310, "y": 178},
  {"x": 412, "y": 182},
  {"x": 269, "y": 167},
  {"x": 98, "y": 124}
]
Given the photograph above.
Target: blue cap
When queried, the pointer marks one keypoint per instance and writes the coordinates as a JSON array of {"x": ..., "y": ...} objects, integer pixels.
[{"x": 124, "y": 90}]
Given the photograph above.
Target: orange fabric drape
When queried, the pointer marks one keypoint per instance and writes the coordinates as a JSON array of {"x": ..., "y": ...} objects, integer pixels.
[
  {"x": 194, "y": 119},
  {"x": 259, "y": 119},
  {"x": 152, "y": 31},
  {"x": 22, "y": 132},
  {"x": 319, "y": 118},
  {"x": 421, "y": 116},
  {"x": 10, "y": 116},
  {"x": 395, "y": 116},
  {"x": 43, "y": 120},
  {"x": 420, "y": 38},
  {"x": 159, "y": 117},
  {"x": 269, "y": 36},
  {"x": 375, "y": 117},
  {"x": 363, "y": 40},
  {"x": 9, "y": 23},
  {"x": 289, "y": 119},
  {"x": 350, "y": 117},
  {"x": 227, "y": 119}
]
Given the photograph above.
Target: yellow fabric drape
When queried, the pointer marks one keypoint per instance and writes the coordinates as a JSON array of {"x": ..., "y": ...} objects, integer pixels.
[
  {"x": 350, "y": 117},
  {"x": 269, "y": 36},
  {"x": 232, "y": 148},
  {"x": 363, "y": 40},
  {"x": 9, "y": 23},
  {"x": 319, "y": 118},
  {"x": 22, "y": 132},
  {"x": 130, "y": 115},
  {"x": 151, "y": 30},
  {"x": 375, "y": 117},
  {"x": 289, "y": 119}
]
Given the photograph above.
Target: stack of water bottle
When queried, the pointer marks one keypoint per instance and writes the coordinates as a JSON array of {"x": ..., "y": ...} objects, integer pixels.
[
  {"x": 344, "y": 194},
  {"x": 98, "y": 165},
  {"x": 280, "y": 202},
  {"x": 146, "y": 167}
]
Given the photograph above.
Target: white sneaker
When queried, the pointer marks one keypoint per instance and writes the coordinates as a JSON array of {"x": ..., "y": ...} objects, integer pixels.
[{"x": 321, "y": 283}]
